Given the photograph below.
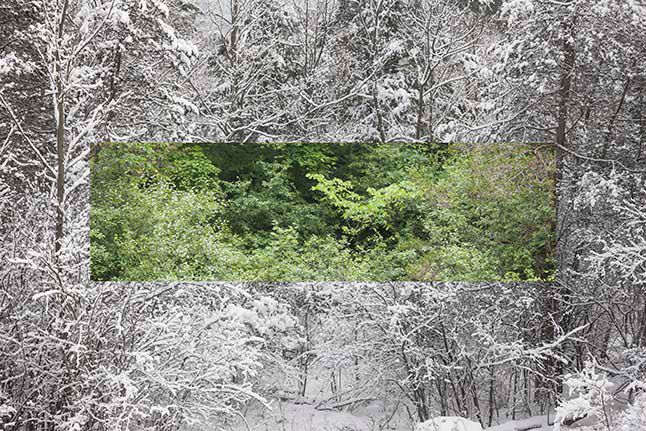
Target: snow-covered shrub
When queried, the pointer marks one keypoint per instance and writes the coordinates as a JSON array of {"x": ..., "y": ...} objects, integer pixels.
[
  {"x": 444, "y": 348},
  {"x": 634, "y": 417},
  {"x": 612, "y": 254},
  {"x": 595, "y": 399},
  {"x": 592, "y": 397},
  {"x": 118, "y": 356},
  {"x": 448, "y": 423}
]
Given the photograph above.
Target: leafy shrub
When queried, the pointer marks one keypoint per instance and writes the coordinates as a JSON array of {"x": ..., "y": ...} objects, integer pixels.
[
  {"x": 489, "y": 216},
  {"x": 163, "y": 234}
]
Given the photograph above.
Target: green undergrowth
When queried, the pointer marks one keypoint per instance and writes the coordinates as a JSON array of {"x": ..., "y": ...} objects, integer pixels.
[{"x": 310, "y": 212}]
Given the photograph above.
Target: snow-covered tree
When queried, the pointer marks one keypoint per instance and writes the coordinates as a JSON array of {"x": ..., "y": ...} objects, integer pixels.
[
  {"x": 438, "y": 349},
  {"x": 442, "y": 40},
  {"x": 78, "y": 51},
  {"x": 247, "y": 85}
]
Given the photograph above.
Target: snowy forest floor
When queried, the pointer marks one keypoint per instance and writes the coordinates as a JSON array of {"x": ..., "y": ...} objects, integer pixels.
[
  {"x": 317, "y": 411},
  {"x": 289, "y": 416}
]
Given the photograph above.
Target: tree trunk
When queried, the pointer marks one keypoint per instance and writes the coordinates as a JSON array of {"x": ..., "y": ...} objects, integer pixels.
[
  {"x": 60, "y": 141},
  {"x": 420, "y": 112},
  {"x": 60, "y": 163},
  {"x": 565, "y": 85},
  {"x": 553, "y": 307},
  {"x": 380, "y": 120},
  {"x": 641, "y": 113},
  {"x": 431, "y": 137}
]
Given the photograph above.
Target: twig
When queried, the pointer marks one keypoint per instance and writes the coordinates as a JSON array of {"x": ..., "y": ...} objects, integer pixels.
[
  {"x": 24, "y": 135},
  {"x": 594, "y": 159},
  {"x": 344, "y": 403}
]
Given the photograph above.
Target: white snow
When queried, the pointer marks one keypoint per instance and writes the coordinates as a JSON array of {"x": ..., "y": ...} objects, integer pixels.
[
  {"x": 395, "y": 46},
  {"x": 45, "y": 294},
  {"x": 534, "y": 423},
  {"x": 6, "y": 410},
  {"x": 448, "y": 423},
  {"x": 122, "y": 16},
  {"x": 302, "y": 417},
  {"x": 515, "y": 9},
  {"x": 162, "y": 8},
  {"x": 10, "y": 63}
]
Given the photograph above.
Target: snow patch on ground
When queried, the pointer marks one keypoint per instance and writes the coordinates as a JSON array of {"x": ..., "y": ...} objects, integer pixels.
[
  {"x": 303, "y": 417},
  {"x": 538, "y": 423},
  {"x": 293, "y": 416},
  {"x": 448, "y": 423}
]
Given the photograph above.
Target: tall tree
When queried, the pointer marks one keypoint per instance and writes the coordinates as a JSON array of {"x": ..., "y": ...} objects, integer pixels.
[{"x": 576, "y": 90}]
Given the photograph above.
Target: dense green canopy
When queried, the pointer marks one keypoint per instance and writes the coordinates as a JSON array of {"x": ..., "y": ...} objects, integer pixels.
[{"x": 301, "y": 212}]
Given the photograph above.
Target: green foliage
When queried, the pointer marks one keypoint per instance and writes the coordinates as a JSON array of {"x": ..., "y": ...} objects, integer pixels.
[
  {"x": 490, "y": 214},
  {"x": 163, "y": 234},
  {"x": 189, "y": 169},
  {"x": 295, "y": 212},
  {"x": 381, "y": 212},
  {"x": 156, "y": 214}
]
